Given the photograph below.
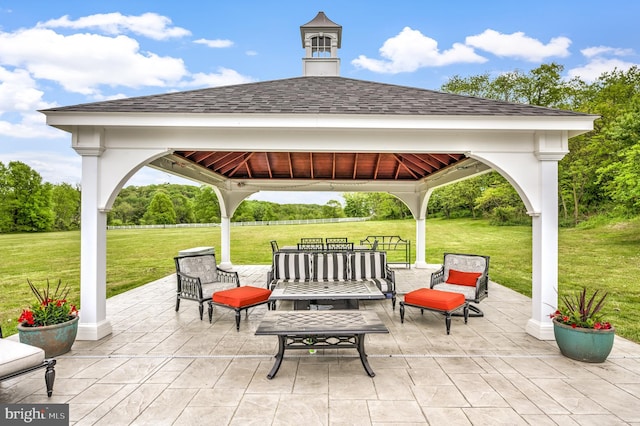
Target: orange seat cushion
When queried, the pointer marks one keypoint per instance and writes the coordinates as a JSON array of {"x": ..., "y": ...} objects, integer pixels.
[
  {"x": 239, "y": 297},
  {"x": 435, "y": 299}
]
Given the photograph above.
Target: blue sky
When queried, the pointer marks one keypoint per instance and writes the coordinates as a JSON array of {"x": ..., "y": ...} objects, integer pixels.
[{"x": 68, "y": 52}]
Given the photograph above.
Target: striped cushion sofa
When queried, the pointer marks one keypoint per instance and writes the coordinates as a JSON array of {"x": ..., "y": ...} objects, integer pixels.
[{"x": 334, "y": 266}]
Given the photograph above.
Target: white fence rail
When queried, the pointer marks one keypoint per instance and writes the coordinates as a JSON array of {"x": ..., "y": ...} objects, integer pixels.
[{"x": 256, "y": 223}]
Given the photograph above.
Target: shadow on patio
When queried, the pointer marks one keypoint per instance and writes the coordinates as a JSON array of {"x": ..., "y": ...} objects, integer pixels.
[{"x": 162, "y": 367}]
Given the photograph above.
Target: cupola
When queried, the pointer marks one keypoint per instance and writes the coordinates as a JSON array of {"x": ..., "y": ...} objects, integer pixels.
[{"x": 321, "y": 39}]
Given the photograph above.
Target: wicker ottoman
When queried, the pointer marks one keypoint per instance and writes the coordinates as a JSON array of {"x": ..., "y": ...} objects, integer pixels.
[{"x": 445, "y": 302}]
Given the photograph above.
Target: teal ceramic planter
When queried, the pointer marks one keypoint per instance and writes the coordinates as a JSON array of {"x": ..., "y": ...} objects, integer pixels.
[
  {"x": 583, "y": 344},
  {"x": 54, "y": 339}
]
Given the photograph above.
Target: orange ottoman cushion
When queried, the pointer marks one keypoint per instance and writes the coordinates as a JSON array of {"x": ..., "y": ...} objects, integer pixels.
[
  {"x": 435, "y": 299},
  {"x": 241, "y": 296}
]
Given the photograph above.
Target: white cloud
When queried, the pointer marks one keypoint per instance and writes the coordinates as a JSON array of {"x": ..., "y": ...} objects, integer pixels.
[
  {"x": 150, "y": 25},
  {"x": 590, "y": 52},
  {"x": 601, "y": 59},
  {"x": 411, "y": 50},
  {"x": 594, "y": 69},
  {"x": 215, "y": 44},
  {"x": 251, "y": 53},
  {"x": 18, "y": 92},
  {"x": 520, "y": 46},
  {"x": 224, "y": 77},
  {"x": 19, "y": 100},
  {"x": 82, "y": 62}
]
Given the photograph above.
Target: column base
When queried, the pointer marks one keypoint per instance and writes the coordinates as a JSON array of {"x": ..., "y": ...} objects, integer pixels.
[
  {"x": 94, "y": 331},
  {"x": 539, "y": 330}
]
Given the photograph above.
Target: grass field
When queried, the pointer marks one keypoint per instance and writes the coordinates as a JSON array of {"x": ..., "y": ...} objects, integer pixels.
[{"x": 607, "y": 257}]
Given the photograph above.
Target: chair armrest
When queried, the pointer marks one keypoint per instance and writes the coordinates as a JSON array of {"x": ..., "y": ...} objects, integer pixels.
[
  {"x": 392, "y": 277},
  {"x": 270, "y": 279},
  {"x": 188, "y": 285},
  {"x": 482, "y": 286},
  {"x": 228, "y": 277},
  {"x": 437, "y": 277}
]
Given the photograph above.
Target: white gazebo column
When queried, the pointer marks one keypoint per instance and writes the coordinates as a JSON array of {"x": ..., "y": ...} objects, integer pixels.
[
  {"x": 225, "y": 241},
  {"x": 545, "y": 254},
  {"x": 420, "y": 244},
  {"x": 93, "y": 324}
]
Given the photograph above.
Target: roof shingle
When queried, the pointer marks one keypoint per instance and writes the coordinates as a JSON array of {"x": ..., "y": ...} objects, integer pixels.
[{"x": 316, "y": 95}]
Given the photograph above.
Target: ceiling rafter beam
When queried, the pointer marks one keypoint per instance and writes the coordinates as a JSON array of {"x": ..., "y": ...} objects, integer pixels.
[
  {"x": 230, "y": 160},
  {"x": 415, "y": 161},
  {"x": 290, "y": 165},
  {"x": 378, "y": 159},
  {"x": 333, "y": 166},
  {"x": 311, "y": 164},
  {"x": 242, "y": 163},
  {"x": 266, "y": 156},
  {"x": 355, "y": 167},
  {"x": 402, "y": 164}
]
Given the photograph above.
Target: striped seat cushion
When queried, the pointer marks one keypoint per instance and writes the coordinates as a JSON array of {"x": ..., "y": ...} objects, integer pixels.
[
  {"x": 330, "y": 266},
  {"x": 368, "y": 264},
  {"x": 291, "y": 266}
]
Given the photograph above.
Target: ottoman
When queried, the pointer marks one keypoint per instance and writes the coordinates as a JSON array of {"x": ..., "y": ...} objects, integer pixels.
[
  {"x": 445, "y": 302},
  {"x": 239, "y": 298}
]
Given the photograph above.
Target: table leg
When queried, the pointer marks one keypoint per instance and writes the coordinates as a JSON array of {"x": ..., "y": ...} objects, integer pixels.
[
  {"x": 276, "y": 366},
  {"x": 363, "y": 355}
]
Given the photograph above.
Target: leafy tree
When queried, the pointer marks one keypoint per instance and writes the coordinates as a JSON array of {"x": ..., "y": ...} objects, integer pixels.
[
  {"x": 66, "y": 207},
  {"x": 502, "y": 204},
  {"x": 183, "y": 208},
  {"x": 332, "y": 209},
  {"x": 621, "y": 179},
  {"x": 26, "y": 201},
  {"x": 244, "y": 212},
  {"x": 160, "y": 211},
  {"x": 206, "y": 207},
  {"x": 356, "y": 204}
]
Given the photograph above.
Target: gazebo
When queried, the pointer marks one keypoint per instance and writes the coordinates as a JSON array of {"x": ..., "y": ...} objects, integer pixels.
[{"x": 318, "y": 132}]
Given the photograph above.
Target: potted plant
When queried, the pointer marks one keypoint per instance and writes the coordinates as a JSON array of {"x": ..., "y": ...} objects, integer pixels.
[
  {"x": 579, "y": 329},
  {"x": 51, "y": 323}
]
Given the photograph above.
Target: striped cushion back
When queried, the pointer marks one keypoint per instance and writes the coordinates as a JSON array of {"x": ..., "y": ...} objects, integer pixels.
[
  {"x": 368, "y": 264},
  {"x": 292, "y": 266},
  {"x": 330, "y": 266}
]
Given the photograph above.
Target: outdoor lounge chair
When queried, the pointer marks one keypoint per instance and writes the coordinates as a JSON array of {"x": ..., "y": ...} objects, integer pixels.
[
  {"x": 274, "y": 246},
  {"x": 464, "y": 273},
  {"x": 18, "y": 358},
  {"x": 198, "y": 277}
]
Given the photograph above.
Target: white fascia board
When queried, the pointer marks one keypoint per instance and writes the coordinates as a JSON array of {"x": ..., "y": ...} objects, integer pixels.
[
  {"x": 319, "y": 140},
  {"x": 64, "y": 120}
]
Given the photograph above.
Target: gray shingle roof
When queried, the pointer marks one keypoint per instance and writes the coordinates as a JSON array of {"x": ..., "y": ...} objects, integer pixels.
[{"x": 316, "y": 95}]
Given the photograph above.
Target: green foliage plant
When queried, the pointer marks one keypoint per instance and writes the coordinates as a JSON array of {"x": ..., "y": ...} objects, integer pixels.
[
  {"x": 50, "y": 307},
  {"x": 581, "y": 311}
]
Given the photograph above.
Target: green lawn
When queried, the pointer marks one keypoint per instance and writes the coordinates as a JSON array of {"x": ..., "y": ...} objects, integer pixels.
[{"x": 606, "y": 257}]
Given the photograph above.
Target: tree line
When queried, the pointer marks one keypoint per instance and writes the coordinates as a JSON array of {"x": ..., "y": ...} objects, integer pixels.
[{"x": 600, "y": 175}]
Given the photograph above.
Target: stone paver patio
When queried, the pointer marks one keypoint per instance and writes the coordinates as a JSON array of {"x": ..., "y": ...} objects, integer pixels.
[{"x": 162, "y": 367}]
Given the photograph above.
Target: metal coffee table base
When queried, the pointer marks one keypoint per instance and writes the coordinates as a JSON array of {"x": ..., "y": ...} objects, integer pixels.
[
  {"x": 320, "y": 342},
  {"x": 320, "y": 330}
]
